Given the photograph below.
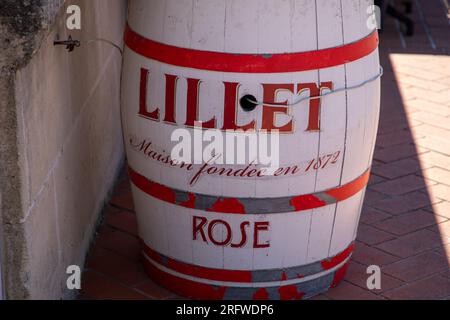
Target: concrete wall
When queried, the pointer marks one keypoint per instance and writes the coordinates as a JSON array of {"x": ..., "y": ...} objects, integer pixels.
[
  {"x": 1, "y": 256},
  {"x": 59, "y": 119}
]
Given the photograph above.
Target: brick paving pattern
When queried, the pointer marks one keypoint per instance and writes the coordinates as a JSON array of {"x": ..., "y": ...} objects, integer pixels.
[{"x": 405, "y": 222}]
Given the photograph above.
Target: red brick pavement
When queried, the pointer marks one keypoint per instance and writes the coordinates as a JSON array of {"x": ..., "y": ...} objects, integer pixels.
[{"x": 405, "y": 223}]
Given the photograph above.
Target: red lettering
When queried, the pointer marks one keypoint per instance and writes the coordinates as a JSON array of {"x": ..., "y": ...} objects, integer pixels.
[
  {"x": 228, "y": 232},
  {"x": 261, "y": 173},
  {"x": 270, "y": 113},
  {"x": 278, "y": 172},
  {"x": 252, "y": 173},
  {"x": 154, "y": 115},
  {"x": 228, "y": 236},
  {"x": 198, "y": 227},
  {"x": 314, "y": 104},
  {"x": 171, "y": 84},
  {"x": 292, "y": 170},
  {"x": 230, "y": 109},
  {"x": 244, "y": 236},
  {"x": 260, "y": 226},
  {"x": 192, "y": 106}
]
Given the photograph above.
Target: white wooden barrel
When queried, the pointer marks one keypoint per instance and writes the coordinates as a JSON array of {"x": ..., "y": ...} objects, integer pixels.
[{"x": 236, "y": 231}]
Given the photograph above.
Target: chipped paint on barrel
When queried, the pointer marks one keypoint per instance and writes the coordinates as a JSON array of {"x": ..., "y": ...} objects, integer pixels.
[{"x": 287, "y": 236}]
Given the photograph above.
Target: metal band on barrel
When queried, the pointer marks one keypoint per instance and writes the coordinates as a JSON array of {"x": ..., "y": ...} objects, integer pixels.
[
  {"x": 248, "y": 278},
  {"x": 250, "y": 63},
  {"x": 233, "y": 205},
  {"x": 198, "y": 290}
]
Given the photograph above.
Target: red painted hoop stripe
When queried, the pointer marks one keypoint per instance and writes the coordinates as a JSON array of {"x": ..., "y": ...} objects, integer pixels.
[
  {"x": 239, "y": 276},
  {"x": 351, "y": 188},
  {"x": 198, "y": 271},
  {"x": 250, "y": 63},
  {"x": 196, "y": 290},
  {"x": 237, "y": 205},
  {"x": 184, "y": 287}
]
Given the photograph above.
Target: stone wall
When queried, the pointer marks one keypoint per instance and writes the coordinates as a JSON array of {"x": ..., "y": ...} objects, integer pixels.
[{"x": 61, "y": 138}]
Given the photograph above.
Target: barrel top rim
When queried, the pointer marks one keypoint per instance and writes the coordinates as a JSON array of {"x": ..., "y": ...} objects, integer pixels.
[{"x": 250, "y": 62}]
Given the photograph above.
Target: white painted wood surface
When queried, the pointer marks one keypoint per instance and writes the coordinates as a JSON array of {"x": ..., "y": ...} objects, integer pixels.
[{"x": 348, "y": 122}]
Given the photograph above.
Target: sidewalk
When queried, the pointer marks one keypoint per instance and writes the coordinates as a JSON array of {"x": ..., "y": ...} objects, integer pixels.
[{"x": 405, "y": 223}]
